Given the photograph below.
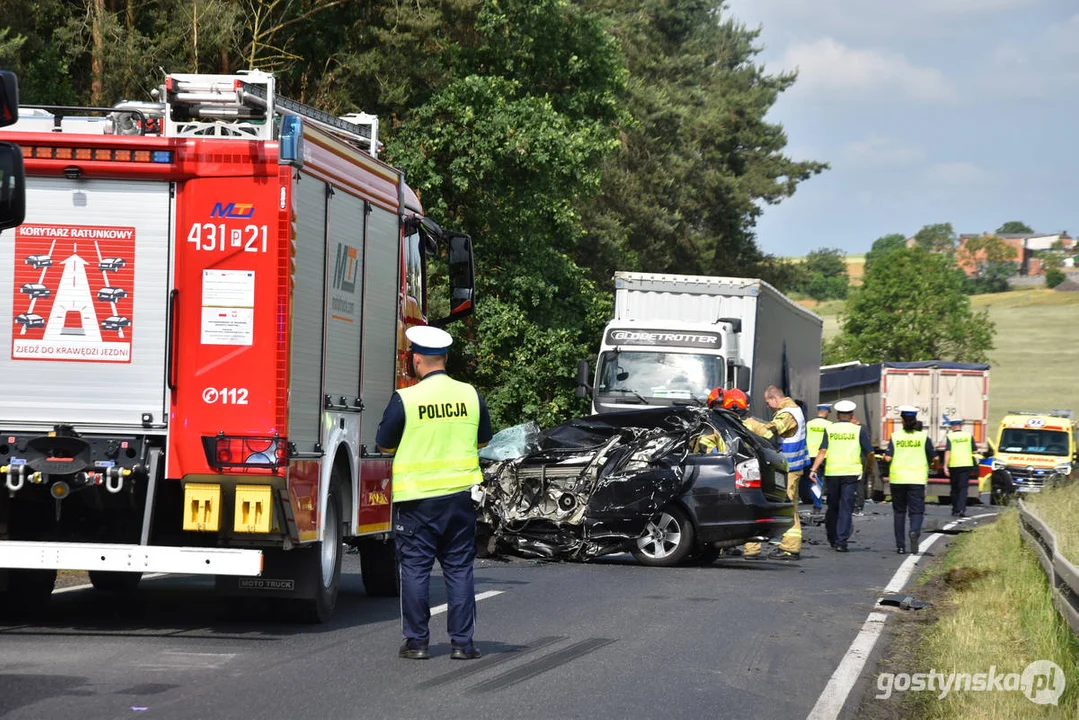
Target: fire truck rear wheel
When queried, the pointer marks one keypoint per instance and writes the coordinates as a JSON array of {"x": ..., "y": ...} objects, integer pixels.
[
  {"x": 116, "y": 583},
  {"x": 327, "y": 563},
  {"x": 28, "y": 591}
]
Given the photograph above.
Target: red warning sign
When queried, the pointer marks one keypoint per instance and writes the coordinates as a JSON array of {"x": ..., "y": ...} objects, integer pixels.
[{"x": 73, "y": 292}]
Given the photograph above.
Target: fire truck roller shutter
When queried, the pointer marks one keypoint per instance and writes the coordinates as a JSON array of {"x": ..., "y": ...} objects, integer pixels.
[
  {"x": 379, "y": 317},
  {"x": 344, "y": 295},
  {"x": 76, "y": 351},
  {"x": 308, "y": 304}
]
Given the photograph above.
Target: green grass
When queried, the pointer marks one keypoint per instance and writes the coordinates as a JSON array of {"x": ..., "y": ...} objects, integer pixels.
[
  {"x": 1034, "y": 358},
  {"x": 998, "y": 612},
  {"x": 1058, "y": 508}
]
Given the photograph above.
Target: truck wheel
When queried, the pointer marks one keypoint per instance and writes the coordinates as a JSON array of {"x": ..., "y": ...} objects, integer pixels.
[
  {"x": 116, "y": 583},
  {"x": 326, "y": 563},
  {"x": 378, "y": 566},
  {"x": 667, "y": 539},
  {"x": 28, "y": 591}
]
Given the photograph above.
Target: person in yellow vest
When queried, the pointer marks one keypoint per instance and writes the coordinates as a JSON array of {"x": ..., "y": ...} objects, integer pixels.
[
  {"x": 844, "y": 451},
  {"x": 910, "y": 453},
  {"x": 815, "y": 430},
  {"x": 434, "y": 430},
  {"x": 959, "y": 464}
]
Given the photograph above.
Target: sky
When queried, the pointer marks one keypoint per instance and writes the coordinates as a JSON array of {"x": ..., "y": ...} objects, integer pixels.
[{"x": 960, "y": 111}]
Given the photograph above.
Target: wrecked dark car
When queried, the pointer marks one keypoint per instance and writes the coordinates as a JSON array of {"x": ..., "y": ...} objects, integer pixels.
[{"x": 665, "y": 484}]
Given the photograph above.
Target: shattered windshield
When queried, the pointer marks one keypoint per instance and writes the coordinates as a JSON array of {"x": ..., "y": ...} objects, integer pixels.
[
  {"x": 1034, "y": 442},
  {"x": 638, "y": 376}
]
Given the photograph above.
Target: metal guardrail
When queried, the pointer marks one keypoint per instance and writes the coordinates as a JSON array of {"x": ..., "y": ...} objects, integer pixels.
[{"x": 1063, "y": 576}]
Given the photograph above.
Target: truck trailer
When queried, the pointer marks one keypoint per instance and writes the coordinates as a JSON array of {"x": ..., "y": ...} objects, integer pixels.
[
  {"x": 674, "y": 338},
  {"x": 941, "y": 391},
  {"x": 228, "y": 277}
]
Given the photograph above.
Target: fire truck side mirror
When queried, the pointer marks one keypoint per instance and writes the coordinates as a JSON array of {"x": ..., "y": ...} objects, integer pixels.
[
  {"x": 12, "y": 186},
  {"x": 9, "y": 98},
  {"x": 462, "y": 277}
]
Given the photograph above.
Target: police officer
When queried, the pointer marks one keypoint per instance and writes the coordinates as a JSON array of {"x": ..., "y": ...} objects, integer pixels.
[
  {"x": 434, "y": 430},
  {"x": 910, "y": 452},
  {"x": 844, "y": 451},
  {"x": 815, "y": 430},
  {"x": 959, "y": 464}
]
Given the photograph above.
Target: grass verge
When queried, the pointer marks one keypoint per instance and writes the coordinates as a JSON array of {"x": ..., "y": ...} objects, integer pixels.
[
  {"x": 992, "y": 608},
  {"x": 1059, "y": 507}
]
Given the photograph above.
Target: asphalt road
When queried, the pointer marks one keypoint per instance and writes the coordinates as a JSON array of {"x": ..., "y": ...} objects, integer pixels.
[{"x": 608, "y": 639}]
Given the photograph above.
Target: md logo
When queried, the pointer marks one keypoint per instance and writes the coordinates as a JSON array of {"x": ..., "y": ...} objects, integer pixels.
[
  {"x": 233, "y": 210},
  {"x": 345, "y": 268}
]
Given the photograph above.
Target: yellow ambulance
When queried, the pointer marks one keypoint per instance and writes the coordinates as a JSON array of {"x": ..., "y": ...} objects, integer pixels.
[{"x": 1034, "y": 449}]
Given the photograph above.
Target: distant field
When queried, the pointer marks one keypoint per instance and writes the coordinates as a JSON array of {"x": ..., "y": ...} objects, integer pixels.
[{"x": 1037, "y": 343}]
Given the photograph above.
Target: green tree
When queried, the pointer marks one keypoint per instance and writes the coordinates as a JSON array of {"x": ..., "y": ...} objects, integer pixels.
[
  {"x": 883, "y": 245},
  {"x": 939, "y": 238},
  {"x": 826, "y": 274},
  {"x": 1015, "y": 227},
  {"x": 1054, "y": 276},
  {"x": 699, "y": 161},
  {"x": 990, "y": 260},
  {"x": 911, "y": 306}
]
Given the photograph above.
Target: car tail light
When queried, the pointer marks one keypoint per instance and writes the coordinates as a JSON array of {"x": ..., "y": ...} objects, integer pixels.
[
  {"x": 747, "y": 474},
  {"x": 246, "y": 453}
]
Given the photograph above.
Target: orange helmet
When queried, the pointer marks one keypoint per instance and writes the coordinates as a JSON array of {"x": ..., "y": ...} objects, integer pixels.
[
  {"x": 715, "y": 398},
  {"x": 735, "y": 400}
]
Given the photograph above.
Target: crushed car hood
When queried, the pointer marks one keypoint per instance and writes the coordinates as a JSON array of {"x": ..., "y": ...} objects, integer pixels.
[{"x": 590, "y": 485}]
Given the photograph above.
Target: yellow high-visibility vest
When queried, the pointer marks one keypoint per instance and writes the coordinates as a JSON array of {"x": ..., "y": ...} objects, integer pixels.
[
  {"x": 815, "y": 430},
  {"x": 844, "y": 453},
  {"x": 961, "y": 446},
  {"x": 439, "y": 453},
  {"x": 909, "y": 463}
]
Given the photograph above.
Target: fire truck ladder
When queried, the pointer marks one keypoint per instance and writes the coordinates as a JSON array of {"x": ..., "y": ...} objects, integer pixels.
[{"x": 245, "y": 105}]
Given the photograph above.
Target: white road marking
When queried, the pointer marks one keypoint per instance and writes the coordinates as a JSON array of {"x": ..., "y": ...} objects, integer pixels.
[
  {"x": 87, "y": 586},
  {"x": 831, "y": 701},
  {"x": 438, "y": 609}
]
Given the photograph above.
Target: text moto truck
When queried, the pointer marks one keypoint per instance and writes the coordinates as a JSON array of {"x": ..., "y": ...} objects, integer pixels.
[
  {"x": 675, "y": 337},
  {"x": 229, "y": 278}
]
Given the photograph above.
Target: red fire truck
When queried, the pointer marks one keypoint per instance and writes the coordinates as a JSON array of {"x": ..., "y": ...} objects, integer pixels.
[{"x": 206, "y": 310}]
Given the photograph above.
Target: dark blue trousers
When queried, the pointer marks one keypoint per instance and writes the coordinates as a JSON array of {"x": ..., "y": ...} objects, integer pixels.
[
  {"x": 442, "y": 528},
  {"x": 838, "y": 520},
  {"x": 960, "y": 477},
  {"x": 907, "y": 500}
]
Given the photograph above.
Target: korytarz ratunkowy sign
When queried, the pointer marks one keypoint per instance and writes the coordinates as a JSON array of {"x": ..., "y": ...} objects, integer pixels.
[
  {"x": 665, "y": 338},
  {"x": 74, "y": 288}
]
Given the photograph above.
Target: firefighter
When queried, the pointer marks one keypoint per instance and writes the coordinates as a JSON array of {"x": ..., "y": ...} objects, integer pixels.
[
  {"x": 959, "y": 464},
  {"x": 910, "y": 452},
  {"x": 736, "y": 401},
  {"x": 434, "y": 430},
  {"x": 789, "y": 424},
  {"x": 844, "y": 451},
  {"x": 815, "y": 430}
]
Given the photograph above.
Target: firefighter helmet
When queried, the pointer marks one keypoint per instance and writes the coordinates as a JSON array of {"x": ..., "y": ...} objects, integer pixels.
[
  {"x": 715, "y": 398},
  {"x": 735, "y": 400}
]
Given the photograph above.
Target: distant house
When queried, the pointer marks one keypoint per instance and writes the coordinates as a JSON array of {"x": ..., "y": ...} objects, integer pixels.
[{"x": 1025, "y": 246}]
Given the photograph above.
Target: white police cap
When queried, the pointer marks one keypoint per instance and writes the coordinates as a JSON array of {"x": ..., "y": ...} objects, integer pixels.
[
  {"x": 845, "y": 406},
  {"x": 908, "y": 410},
  {"x": 824, "y": 406},
  {"x": 427, "y": 340},
  {"x": 955, "y": 421}
]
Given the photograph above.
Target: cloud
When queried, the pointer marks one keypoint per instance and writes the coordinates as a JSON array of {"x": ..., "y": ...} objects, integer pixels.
[
  {"x": 958, "y": 174},
  {"x": 827, "y": 66},
  {"x": 880, "y": 153},
  {"x": 1035, "y": 70}
]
